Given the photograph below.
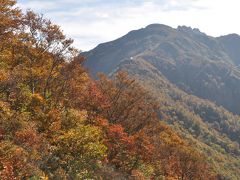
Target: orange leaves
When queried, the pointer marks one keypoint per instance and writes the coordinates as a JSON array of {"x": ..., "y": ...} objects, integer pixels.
[
  {"x": 120, "y": 147},
  {"x": 117, "y": 137},
  {"x": 28, "y": 138},
  {"x": 144, "y": 146},
  {"x": 14, "y": 162},
  {"x": 103, "y": 123},
  {"x": 37, "y": 99},
  {"x": 93, "y": 100},
  {"x": 10, "y": 18},
  {"x": 97, "y": 96},
  {"x": 7, "y": 171},
  {"x": 149, "y": 141},
  {"x": 126, "y": 152},
  {"x": 129, "y": 103},
  {"x": 4, "y": 75},
  {"x": 55, "y": 120}
]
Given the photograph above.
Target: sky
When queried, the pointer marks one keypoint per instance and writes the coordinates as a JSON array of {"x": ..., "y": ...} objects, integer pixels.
[{"x": 91, "y": 22}]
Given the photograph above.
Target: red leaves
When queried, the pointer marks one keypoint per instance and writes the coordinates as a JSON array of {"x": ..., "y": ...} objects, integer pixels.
[
  {"x": 126, "y": 151},
  {"x": 120, "y": 147},
  {"x": 103, "y": 123},
  {"x": 117, "y": 138},
  {"x": 44, "y": 89},
  {"x": 94, "y": 100}
]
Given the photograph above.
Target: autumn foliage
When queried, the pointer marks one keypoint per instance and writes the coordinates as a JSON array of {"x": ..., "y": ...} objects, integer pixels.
[{"x": 58, "y": 123}]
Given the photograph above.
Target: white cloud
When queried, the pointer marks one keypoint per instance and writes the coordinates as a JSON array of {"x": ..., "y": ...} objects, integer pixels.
[
  {"x": 91, "y": 22},
  {"x": 37, "y": 5}
]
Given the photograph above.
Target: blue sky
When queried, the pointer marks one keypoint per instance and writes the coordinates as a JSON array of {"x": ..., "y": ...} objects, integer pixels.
[{"x": 90, "y": 22}]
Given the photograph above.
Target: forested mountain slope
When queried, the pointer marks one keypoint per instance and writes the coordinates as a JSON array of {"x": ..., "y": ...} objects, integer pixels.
[
  {"x": 58, "y": 123},
  {"x": 196, "y": 63},
  {"x": 193, "y": 78}
]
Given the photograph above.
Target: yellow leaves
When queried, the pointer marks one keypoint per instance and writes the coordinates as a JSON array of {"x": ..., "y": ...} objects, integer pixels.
[
  {"x": 4, "y": 75},
  {"x": 57, "y": 117},
  {"x": 4, "y": 108},
  {"x": 44, "y": 177},
  {"x": 81, "y": 116},
  {"x": 80, "y": 148},
  {"x": 146, "y": 169},
  {"x": 171, "y": 139},
  {"x": 74, "y": 118},
  {"x": 37, "y": 99},
  {"x": 82, "y": 136},
  {"x": 5, "y": 57}
]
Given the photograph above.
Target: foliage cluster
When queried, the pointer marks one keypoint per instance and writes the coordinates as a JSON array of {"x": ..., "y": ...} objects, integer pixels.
[{"x": 58, "y": 123}]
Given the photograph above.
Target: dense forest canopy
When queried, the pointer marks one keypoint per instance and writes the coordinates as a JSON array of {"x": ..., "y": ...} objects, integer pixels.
[{"x": 56, "y": 122}]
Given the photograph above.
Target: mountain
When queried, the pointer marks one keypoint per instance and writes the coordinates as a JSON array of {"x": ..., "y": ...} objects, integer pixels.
[
  {"x": 193, "y": 77},
  {"x": 56, "y": 122},
  {"x": 198, "y": 64},
  {"x": 231, "y": 44}
]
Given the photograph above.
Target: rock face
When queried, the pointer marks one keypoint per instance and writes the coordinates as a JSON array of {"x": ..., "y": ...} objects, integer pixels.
[{"x": 198, "y": 64}]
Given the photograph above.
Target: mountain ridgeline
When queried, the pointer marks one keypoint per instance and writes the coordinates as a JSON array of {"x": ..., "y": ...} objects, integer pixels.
[
  {"x": 173, "y": 115},
  {"x": 193, "y": 77},
  {"x": 196, "y": 63}
]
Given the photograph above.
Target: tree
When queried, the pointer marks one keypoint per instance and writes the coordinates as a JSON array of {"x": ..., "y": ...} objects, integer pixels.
[
  {"x": 79, "y": 151},
  {"x": 129, "y": 103},
  {"x": 58, "y": 123}
]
